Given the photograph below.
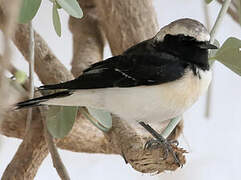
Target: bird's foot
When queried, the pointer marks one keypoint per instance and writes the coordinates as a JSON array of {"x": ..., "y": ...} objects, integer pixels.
[
  {"x": 161, "y": 142},
  {"x": 166, "y": 145}
]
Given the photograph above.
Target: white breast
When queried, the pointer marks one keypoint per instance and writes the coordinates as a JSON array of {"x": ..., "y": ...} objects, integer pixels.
[
  {"x": 160, "y": 102},
  {"x": 144, "y": 103}
]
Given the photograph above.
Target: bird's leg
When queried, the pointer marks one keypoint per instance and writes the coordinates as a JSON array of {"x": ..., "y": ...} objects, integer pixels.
[{"x": 161, "y": 140}]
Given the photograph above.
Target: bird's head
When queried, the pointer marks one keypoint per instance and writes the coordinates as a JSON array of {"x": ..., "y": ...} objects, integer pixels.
[
  {"x": 186, "y": 27},
  {"x": 186, "y": 38}
]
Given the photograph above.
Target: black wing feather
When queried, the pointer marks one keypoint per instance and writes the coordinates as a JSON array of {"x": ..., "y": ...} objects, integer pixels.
[
  {"x": 127, "y": 70},
  {"x": 38, "y": 100}
]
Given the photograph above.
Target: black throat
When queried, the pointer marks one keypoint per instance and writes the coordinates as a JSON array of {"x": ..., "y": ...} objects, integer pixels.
[{"x": 187, "y": 49}]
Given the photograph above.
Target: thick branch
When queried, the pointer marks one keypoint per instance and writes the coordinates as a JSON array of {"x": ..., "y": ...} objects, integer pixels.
[
  {"x": 88, "y": 41},
  {"x": 126, "y": 23},
  {"x": 8, "y": 30},
  {"x": 47, "y": 66},
  {"x": 32, "y": 150}
]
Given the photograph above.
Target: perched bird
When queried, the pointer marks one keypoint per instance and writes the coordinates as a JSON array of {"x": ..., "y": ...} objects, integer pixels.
[{"x": 155, "y": 80}]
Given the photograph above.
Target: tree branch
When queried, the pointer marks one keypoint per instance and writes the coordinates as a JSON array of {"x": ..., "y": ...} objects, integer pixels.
[
  {"x": 88, "y": 41},
  {"x": 32, "y": 150},
  {"x": 47, "y": 66},
  {"x": 126, "y": 23},
  {"x": 8, "y": 30},
  {"x": 232, "y": 11},
  {"x": 219, "y": 19}
]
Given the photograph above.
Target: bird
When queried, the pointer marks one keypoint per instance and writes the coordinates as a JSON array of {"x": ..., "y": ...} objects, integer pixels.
[{"x": 153, "y": 81}]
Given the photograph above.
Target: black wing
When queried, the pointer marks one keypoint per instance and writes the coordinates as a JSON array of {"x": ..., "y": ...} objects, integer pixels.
[{"x": 127, "y": 70}]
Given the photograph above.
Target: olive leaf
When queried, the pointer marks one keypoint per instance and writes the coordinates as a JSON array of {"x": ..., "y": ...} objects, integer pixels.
[
  {"x": 56, "y": 19},
  {"x": 60, "y": 120},
  {"x": 71, "y": 7},
  {"x": 101, "y": 119},
  {"x": 28, "y": 10},
  {"x": 208, "y": 1},
  {"x": 230, "y": 54}
]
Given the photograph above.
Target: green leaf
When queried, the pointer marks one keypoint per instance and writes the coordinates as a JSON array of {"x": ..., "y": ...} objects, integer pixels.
[
  {"x": 101, "y": 119},
  {"x": 230, "y": 54},
  {"x": 20, "y": 77},
  {"x": 60, "y": 120},
  {"x": 71, "y": 7},
  {"x": 56, "y": 19},
  {"x": 28, "y": 10},
  {"x": 208, "y": 1}
]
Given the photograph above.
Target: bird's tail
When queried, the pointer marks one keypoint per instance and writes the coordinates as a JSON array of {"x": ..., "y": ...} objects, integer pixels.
[{"x": 39, "y": 100}]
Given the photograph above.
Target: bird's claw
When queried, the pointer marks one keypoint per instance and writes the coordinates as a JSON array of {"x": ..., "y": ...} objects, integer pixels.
[{"x": 167, "y": 147}]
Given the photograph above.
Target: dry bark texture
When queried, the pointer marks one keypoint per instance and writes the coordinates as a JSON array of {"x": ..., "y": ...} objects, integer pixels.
[
  {"x": 88, "y": 41},
  {"x": 32, "y": 150},
  {"x": 118, "y": 21},
  {"x": 11, "y": 12},
  {"x": 47, "y": 66},
  {"x": 126, "y": 23}
]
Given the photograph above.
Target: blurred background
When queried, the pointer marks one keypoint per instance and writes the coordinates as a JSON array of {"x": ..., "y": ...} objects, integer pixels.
[{"x": 213, "y": 143}]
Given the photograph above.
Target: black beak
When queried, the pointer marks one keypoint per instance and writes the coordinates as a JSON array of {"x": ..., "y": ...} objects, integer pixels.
[{"x": 207, "y": 45}]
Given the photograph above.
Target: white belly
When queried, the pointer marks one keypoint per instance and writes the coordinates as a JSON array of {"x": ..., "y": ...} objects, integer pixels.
[{"x": 144, "y": 103}]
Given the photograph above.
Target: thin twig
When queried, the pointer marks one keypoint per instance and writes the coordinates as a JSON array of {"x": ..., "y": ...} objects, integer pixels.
[
  {"x": 219, "y": 19},
  {"x": 207, "y": 16},
  {"x": 209, "y": 93},
  {"x": 31, "y": 72},
  {"x": 57, "y": 162},
  {"x": 171, "y": 126},
  {"x": 232, "y": 12}
]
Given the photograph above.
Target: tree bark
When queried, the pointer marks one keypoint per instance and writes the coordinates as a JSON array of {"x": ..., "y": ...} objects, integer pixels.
[
  {"x": 126, "y": 23},
  {"x": 88, "y": 40},
  {"x": 32, "y": 150}
]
